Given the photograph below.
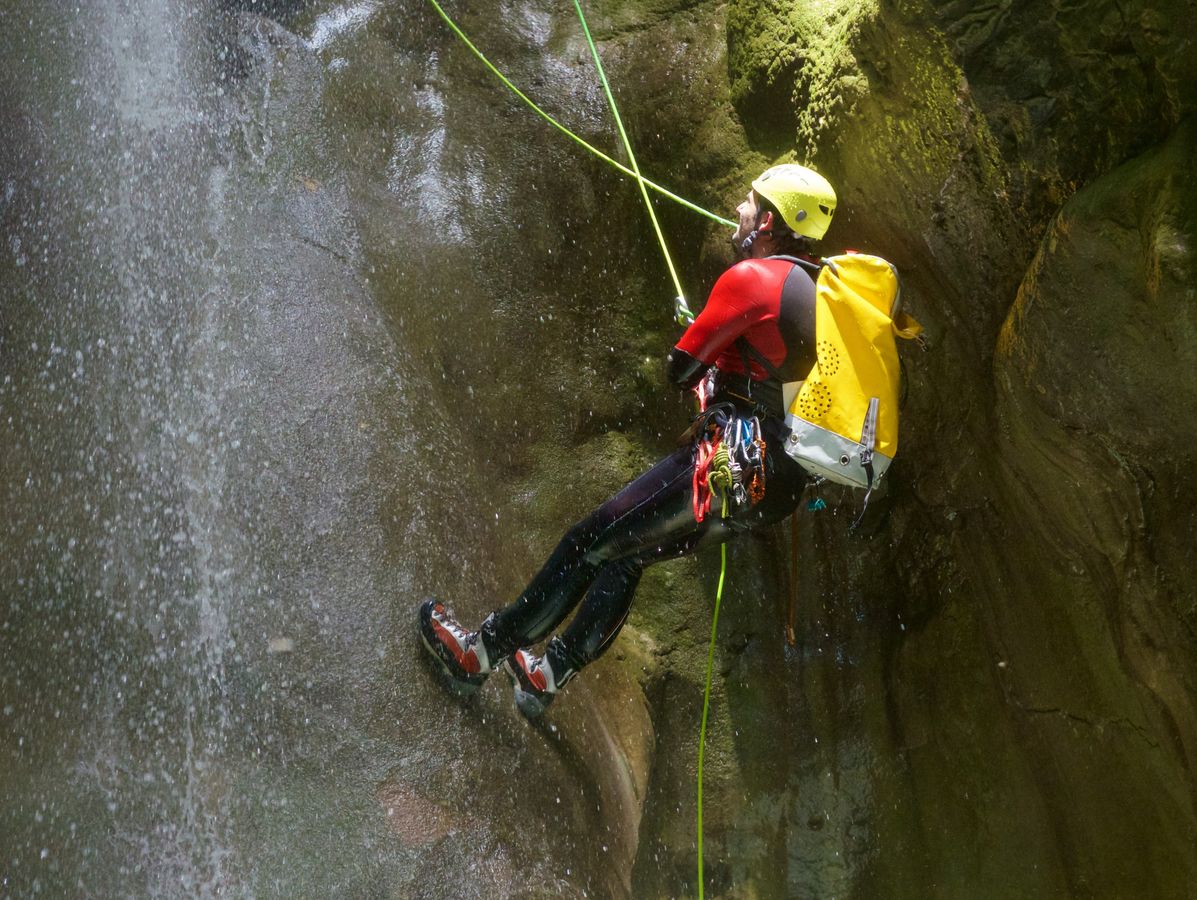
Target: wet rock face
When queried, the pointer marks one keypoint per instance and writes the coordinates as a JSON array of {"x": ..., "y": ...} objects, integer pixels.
[
  {"x": 310, "y": 318},
  {"x": 1012, "y": 646},
  {"x": 1093, "y": 397},
  {"x": 262, "y": 284},
  {"x": 1072, "y": 90}
]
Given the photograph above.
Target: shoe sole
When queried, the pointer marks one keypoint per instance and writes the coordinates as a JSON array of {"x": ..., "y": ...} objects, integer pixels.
[{"x": 530, "y": 706}]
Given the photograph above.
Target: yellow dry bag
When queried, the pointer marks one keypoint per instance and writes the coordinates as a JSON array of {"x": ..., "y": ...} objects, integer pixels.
[{"x": 844, "y": 419}]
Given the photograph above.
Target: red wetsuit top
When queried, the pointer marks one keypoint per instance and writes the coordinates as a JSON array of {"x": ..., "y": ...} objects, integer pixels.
[{"x": 771, "y": 303}]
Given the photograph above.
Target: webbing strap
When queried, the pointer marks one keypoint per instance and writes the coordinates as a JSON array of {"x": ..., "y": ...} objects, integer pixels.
[
  {"x": 747, "y": 349},
  {"x": 868, "y": 440},
  {"x": 868, "y": 433}
]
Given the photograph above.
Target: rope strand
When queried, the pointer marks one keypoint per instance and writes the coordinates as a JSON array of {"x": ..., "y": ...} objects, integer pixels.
[
  {"x": 627, "y": 144},
  {"x": 643, "y": 183},
  {"x": 706, "y": 701},
  {"x": 694, "y": 207}
]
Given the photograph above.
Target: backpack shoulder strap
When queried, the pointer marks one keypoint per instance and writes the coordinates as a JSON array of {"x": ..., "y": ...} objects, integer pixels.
[
  {"x": 798, "y": 261},
  {"x": 793, "y": 333},
  {"x": 746, "y": 350}
]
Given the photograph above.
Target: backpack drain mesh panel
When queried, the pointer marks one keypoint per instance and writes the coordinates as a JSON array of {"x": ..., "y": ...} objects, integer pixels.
[
  {"x": 829, "y": 358},
  {"x": 815, "y": 400}
]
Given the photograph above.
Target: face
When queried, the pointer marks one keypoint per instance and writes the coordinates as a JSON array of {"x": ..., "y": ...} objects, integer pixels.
[{"x": 747, "y": 211}]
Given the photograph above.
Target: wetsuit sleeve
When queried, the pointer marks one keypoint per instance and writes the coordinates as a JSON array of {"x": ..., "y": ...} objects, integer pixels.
[
  {"x": 684, "y": 370},
  {"x": 735, "y": 305}
]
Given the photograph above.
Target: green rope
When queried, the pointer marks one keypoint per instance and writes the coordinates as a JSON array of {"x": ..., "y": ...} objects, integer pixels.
[
  {"x": 627, "y": 145},
  {"x": 706, "y": 694},
  {"x": 721, "y": 476},
  {"x": 544, "y": 115},
  {"x": 643, "y": 184}
]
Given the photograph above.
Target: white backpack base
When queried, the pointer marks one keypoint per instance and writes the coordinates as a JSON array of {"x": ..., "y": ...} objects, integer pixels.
[{"x": 836, "y": 458}]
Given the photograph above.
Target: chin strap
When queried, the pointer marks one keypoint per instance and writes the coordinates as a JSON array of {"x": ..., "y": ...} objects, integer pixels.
[{"x": 747, "y": 243}]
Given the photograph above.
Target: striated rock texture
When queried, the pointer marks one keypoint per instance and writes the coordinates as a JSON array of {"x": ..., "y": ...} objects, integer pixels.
[
  {"x": 1000, "y": 675},
  {"x": 992, "y": 694},
  {"x": 1095, "y": 412}
]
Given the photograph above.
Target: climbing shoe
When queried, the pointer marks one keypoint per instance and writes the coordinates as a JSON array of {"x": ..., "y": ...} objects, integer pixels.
[
  {"x": 535, "y": 681},
  {"x": 460, "y": 654}
]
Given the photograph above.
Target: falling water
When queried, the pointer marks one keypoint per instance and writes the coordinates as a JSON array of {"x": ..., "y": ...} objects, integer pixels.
[{"x": 230, "y": 469}]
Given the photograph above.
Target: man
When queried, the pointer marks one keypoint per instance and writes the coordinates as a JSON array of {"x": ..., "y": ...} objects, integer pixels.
[{"x": 756, "y": 332}]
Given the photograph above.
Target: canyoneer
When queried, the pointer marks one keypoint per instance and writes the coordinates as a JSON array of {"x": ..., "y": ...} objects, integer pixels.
[{"x": 755, "y": 333}]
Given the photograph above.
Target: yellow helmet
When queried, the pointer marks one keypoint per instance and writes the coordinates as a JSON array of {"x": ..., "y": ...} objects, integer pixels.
[{"x": 803, "y": 197}]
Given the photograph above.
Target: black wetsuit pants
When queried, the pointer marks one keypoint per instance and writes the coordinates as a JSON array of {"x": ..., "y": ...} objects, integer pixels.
[{"x": 599, "y": 561}]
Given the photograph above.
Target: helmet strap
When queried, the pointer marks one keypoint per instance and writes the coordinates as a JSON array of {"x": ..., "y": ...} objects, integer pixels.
[{"x": 756, "y": 232}]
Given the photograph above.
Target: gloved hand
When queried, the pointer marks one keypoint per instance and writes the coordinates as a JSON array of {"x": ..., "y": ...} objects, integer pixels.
[{"x": 681, "y": 311}]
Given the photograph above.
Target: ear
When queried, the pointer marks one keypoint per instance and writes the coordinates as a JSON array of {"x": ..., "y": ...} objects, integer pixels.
[{"x": 766, "y": 221}]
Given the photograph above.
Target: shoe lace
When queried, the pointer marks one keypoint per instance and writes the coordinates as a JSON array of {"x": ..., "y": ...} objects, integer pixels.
[
  {"x": 533, "y": 663},
  {"x": 455, "y": 629}
]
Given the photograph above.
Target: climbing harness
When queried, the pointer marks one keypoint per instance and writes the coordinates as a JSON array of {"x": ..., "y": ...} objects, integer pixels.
[
  {"x": 729, "y": 459},
  {"x": 729, "y": 456}
]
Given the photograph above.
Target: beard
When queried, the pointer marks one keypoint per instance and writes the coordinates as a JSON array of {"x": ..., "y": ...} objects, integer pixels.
[{"x": 743, "y": 252}]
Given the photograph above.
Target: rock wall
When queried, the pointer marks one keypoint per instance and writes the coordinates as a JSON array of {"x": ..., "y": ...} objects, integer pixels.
[
  {"x": 1000, "y": 671},
  {"x": 997, "y": 671},
  {"x": 443, "y": 345}
]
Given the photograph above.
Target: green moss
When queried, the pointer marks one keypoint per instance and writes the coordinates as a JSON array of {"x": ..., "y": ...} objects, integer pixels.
[
  {"x": 839, "y": 85},
  {"x": 766, "y": 45},
  {"x": 792, "y": 66}
]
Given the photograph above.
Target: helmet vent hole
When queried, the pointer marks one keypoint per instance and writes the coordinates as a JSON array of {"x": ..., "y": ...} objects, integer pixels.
[{"x": 825, "y": 209}]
